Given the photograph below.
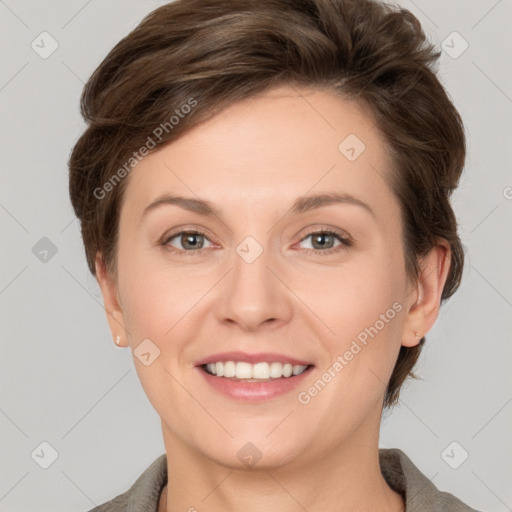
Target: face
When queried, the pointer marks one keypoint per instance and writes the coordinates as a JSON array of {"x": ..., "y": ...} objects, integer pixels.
[{"x": 261, "y": 273}]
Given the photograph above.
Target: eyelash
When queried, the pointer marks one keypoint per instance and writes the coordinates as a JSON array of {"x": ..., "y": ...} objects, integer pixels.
[{"x": 345, "y": 242}]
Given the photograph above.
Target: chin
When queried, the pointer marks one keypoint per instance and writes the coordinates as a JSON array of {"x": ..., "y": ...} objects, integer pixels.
[{"x": 253, "y": 456}]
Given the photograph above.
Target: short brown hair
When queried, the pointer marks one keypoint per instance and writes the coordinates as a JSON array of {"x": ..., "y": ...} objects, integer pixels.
[{"x": 216, "y": 52}]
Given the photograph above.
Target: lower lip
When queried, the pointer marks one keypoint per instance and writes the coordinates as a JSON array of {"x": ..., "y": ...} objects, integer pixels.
[{"x": 253, "y": 391}]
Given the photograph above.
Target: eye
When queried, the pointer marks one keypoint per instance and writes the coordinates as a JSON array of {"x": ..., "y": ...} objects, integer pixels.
[
  {"x": 190, "y": 241},
  {"x": 323, "y": 241}
]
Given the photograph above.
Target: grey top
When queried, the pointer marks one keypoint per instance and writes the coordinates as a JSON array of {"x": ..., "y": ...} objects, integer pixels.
[{"x": 400, "y": 473}]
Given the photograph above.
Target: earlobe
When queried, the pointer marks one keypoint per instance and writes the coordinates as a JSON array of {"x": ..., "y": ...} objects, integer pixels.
[
  {"x": 423, "y": 313},
  {"x": 113, "y": 309}
]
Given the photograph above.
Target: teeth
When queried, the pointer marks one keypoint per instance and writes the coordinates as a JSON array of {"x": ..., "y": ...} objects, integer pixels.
[
  {"x": 242, "y": 370},
  {"x": 263, "y": 371},
  {"x": 229, "y": 369},
  {"x": 297, "y": 369},
  {"x": 276, "y": 370}
]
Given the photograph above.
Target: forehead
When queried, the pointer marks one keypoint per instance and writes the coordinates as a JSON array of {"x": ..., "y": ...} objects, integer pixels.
[{"x": 267, "y": 150}]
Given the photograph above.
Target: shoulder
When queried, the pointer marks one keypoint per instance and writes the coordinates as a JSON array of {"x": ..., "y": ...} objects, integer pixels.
[
  {"x": 419, "y": 492},
  {"x": 144, "y": 494}
]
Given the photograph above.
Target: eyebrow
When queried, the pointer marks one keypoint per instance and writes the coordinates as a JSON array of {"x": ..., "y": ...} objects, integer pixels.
[{"x": 301, "y": 204}]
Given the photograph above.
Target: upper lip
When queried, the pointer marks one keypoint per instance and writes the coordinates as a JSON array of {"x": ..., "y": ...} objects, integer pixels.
[{"x": 260, "y": 357}]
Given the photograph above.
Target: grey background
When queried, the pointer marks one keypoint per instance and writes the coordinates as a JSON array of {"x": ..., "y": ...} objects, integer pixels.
[{"x": 65, "y": 382}]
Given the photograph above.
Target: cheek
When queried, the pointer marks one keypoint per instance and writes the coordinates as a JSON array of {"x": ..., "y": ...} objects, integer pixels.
[
  {"x": 153, "y": 305},
  {"x": 366, "y": 315},
  {"x": 360, "y": 357},
  {"x": 363, "y": 308},
  {"x": 159, "y": 300},
  {"x": 157, "y": 306},
  {"x": 354, "y": 297}
]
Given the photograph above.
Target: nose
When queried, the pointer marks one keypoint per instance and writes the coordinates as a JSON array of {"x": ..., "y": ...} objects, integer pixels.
[{"x": 253, "y": 295}]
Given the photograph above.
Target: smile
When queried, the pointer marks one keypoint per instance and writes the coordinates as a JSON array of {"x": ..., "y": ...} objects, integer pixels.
[{"x": 253, "y": 372}]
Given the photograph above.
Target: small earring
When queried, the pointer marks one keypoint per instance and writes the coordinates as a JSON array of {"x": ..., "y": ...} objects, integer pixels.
[
  {"x": 417, "y": 335},
  {"x": 118, "y": 340}
]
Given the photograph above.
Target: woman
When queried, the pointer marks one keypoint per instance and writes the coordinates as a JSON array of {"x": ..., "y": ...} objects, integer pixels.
[{"x": 263, "y": 191}]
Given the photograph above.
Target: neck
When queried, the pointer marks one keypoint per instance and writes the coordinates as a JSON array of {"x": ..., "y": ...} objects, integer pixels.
[{"x": 348, "y": 478}]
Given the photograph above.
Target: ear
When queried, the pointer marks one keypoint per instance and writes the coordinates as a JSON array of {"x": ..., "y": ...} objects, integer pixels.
[
  {"x": 424, "y": 310},
  {"x": 113, "y": 309}
]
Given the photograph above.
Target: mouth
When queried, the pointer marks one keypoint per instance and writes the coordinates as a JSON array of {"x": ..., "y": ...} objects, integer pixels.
[
  {"x": 253, "y": 378},
  {"x": 259, "y": 372}
]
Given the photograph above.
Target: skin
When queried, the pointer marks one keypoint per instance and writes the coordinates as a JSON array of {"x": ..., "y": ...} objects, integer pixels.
[{"x": 252, "y": 161}]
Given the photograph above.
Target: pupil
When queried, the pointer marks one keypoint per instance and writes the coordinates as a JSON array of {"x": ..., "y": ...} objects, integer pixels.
[
  {"x": 190, "y": 237},
  {"x": 321, "y": 237}
]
